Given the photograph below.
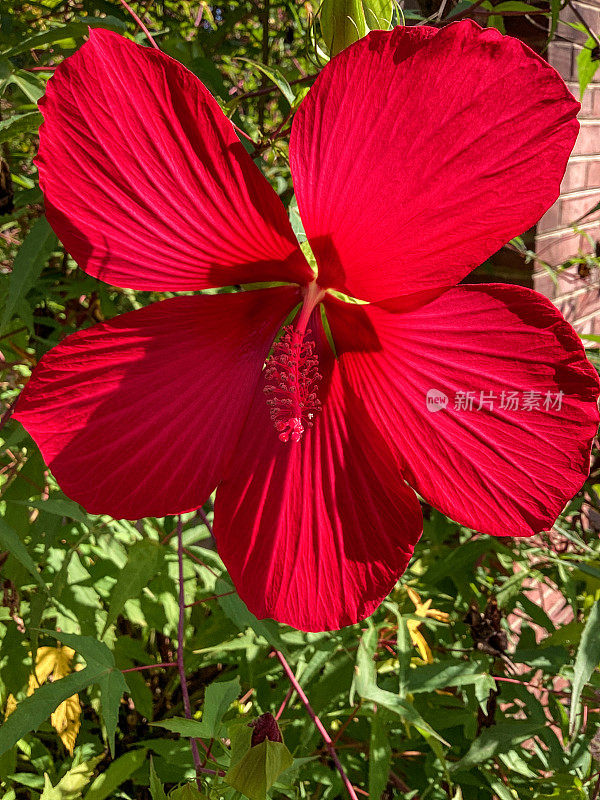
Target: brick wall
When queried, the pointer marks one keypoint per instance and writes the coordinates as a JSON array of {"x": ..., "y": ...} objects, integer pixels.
[{"x": 577, "y": 291}]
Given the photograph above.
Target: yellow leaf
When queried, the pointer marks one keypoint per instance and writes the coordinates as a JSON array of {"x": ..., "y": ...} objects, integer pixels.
[
  {"x": 66, "y": 721},
  {"x": 11, "y": 704},
  {"x": 423, "y": 609},
  {"x": 419, "y": 640},
  {"x": 55, "y": 662}
]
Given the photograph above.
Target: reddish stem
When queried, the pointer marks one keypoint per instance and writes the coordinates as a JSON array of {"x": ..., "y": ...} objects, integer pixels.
[
  {"x": 139, "y": 23},
  {"x": 318, "y": 724},
  {"x": 199, "y": 561},
  {"x": 212, "y": 597},
  {"x": 180, "y": 665},
  {"x": 151, "y": 666},
  {"x": 204, "y": 518},
  {"x": 286, "y": 700}
]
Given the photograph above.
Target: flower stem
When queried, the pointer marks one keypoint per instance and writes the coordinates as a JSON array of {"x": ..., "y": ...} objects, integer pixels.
[
  {"x": 318, "y": 724},
  {"x": 180, "y": 665}
]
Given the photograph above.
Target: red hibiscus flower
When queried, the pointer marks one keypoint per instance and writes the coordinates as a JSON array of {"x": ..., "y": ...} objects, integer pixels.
[{"x": 415, "y": 156}]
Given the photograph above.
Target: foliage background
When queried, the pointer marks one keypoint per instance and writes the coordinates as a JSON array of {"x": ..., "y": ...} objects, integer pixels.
[{"x": 462, "y": 685}]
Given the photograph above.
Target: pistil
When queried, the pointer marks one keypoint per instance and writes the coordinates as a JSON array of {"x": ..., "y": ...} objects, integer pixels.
[{"x": 292, "y": 374}]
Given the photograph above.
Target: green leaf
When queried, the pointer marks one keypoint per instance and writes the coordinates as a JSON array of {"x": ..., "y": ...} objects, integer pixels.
[
  {"x": 378, "y": 14},
  {"x": 274, "y": 75},
  {"x": 498, "y": 739},
  {"x": 587, "y": 65},
  {"x": 32, "y": 87},
  {"x": 72, "y": 30},
  {"x": 156, "y": 788},
  {"x": 190, "y": 728},
  {"x": 380, "y": 755},
  {"x": 28, "y": 264},
  {"x": 342, "y": 23},
  {"x": 237, "y": 611},
  {"x": 254, "y": 770},
  {"x": 367, "y": 688},
  {"x": 219, "y": 696},
  {"x": 110, "y": 679},
  {"x": 10, "y": 541},
  {"x": 72, "y": 783},
  {"x": 586, "y": 661},
  {"x": 19, "y": 123},
  {"x": 143, "y": 562},
  {"x": 189, "y": 791},
  {"x": 61, "y": 506},
  {"x": 34, "y": 710},
  {"x": 555, "y": 6},
  {"x": 117, "y": 773}
]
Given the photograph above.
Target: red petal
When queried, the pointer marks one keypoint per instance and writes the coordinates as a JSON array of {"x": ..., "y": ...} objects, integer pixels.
[
  {"x": 136, "y": 417},
  {"x": 415, "y": 157},
  {"x": 146, "y": 182},
  {"x": 500, "y": 471},
  {"x": 315, "y": 534}
]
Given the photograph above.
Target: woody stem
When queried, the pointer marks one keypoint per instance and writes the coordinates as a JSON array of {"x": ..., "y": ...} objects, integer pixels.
[{"x": 318, "y": 724}]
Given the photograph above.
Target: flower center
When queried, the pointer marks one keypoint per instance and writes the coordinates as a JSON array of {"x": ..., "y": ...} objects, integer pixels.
[{"x": 292, "y": 374}]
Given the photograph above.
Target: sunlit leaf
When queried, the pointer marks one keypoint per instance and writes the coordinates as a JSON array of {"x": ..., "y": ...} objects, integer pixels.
[{"x": 588, "y": 658}]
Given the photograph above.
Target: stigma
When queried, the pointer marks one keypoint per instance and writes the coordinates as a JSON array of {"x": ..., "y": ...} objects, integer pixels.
[{"x": 291, "y": 378}]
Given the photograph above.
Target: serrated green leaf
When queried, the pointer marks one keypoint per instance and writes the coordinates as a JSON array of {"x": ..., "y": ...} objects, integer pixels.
[
  {"x": 10, "y": 541},
  {"x": 117, "y": 773},
  {"x": 71, "y": 785},
  {"x": 274, "y": 75},
  {"x": 72, "y": 30},
  {"x": 156, "y": 788},
  {"x": 110, "y": 679},
  {"x": 28, "y": 264},
  {"x": 189, "y": 791},
  {"x": 19, "y": 123},
  {"x": 190, "y": 728},
  {"x": 32, "y": 87},
  {"x": 380, "y": 755},
  {"x": 587, "y": 65},
  {"x": 237, "y": 611},
  {"x": 366, "y": 685},
  {"x": 219, "y": 696},
  {"x": 586, "y": 661},
  {"x": 31, "y": 712},
  {"x": 143, "y": 562},
  {"x": 498, "y": 739},
  {"x": 61, "y": 506}
]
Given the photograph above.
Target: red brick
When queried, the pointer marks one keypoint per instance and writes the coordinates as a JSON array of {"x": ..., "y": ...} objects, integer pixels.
[
  {"x": 572, "y": 208},
  {"x": 588, "y": 141},
  {"x": 576, "y": 177}
]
